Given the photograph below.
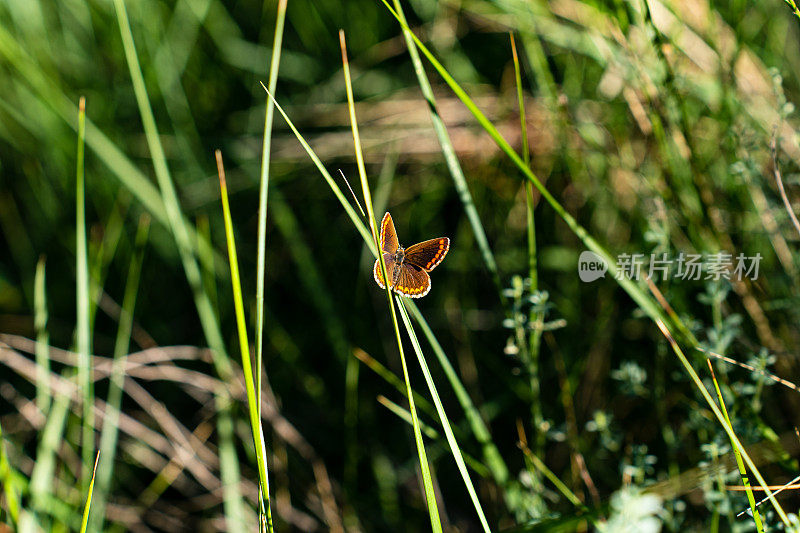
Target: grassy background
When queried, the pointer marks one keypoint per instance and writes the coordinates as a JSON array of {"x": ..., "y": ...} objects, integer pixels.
[{"x": 650, "y": 123}]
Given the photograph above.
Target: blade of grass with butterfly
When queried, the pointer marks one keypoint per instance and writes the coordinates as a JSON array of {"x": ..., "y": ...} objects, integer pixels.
[{"x": 430, "y": 496}]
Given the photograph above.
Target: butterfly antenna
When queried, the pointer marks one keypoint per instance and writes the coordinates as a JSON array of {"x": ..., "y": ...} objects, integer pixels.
[
  {"x": 751, "y": 368},
  {"x": 354, "y": 194}
]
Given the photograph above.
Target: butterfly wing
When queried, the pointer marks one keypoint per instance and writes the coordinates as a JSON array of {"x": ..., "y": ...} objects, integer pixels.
[
  {"x": 376, "y": 270},
  {"x": 389, "y": 241},
  {"x": 428, "y": 254},
  {"x": 413, "y": 281}
]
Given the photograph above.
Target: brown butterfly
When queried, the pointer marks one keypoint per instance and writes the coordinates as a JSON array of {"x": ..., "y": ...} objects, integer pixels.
[{"x": 408, "y": 268}]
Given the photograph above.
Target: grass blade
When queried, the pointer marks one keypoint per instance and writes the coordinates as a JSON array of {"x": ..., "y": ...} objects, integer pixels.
[
  {"x": 491, "y": 455},
  {"x": 41, "y": 485},
  {"x": 448, "y": 431},
  {"x": 185, "y": 242},
  {"x": 42, "y": 339},
  {"x": 535, "y": 317},
  {"x": 405, "y": 415},
  {"x": 169, "y": 198},
  {"x": 539, "y": 465},
  {"x": 110, "y": 432},
  {"x": 10, "y": 492},
  {"x": 262, "y": 195},
  {"x": 82, "y": 304},
  {"x": 247, "y": 364},
  {"x": 725, "y": 424},
  {"x": 390, "y": 378},
  {"x": 88, "y": 506},
  {"x": 737, "y": 454},
  {"x": 362, "y": 229},
  {"x": 229, "y": 465},
  {"x": 432, "y": 434},
  {"x": 430, "y": 496}
]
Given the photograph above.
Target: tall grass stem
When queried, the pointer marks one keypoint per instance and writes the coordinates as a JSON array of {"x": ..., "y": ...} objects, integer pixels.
[
  {"x": 430, "y": 496},
  {"x": 244, "y": 347}
]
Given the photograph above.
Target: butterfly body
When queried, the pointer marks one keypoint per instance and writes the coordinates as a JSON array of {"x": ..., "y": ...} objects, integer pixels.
[{"x": 407, "y": 268}]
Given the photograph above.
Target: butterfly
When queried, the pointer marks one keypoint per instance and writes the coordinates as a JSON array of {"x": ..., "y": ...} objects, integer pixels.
[{"x": 407, "y": 268}]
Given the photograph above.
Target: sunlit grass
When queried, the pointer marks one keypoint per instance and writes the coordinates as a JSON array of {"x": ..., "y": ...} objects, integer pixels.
[
  {"x": 253, "y": 407},
  {"x": 427, "y": 482},
  {"x": 88, "y": 507}
]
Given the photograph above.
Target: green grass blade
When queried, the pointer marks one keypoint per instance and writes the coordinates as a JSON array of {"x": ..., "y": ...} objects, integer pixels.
[
  {"x": 737, "y": 455},
  {"x": 526, "y": 158},
  {"x": 228, "y": 458},
  {"x": 449, "y": 153},
  {"x": 41, "y": 485},
  {"x": 405, "y": 415},
  {"x": 722, "y": 420},
  {"x": 103, "y": 253},
  {"x": 10, "y": 492},
  {"x": 538, "y": 464},
  {"x": 262, "y": 194},
  {"x": 110, "y": 432},
  {"x": 170, "y": 201},
  {"x": 247, "y": 364},
  {"x": 793, "y": 6},
  {"x": 205, "y": 255},
  {"x": 448, "y": 431},
  {"x": 390, "y": 378},
  {"x": 82, "y": 303},
  {"x": 535, "y": 318},
  {"x": 42, "y": 339},
  {"x": 184, "y": 239},
  {"x": 87, "y": 508},
  {"x": 491, "y": 455},
  {"x": 229, "y": 465},
  {"x": 380, "y": 200},
  {"x": 362, "y": 229},
  {"x": 430, "y": 496},
  {"x": 432, "y": 434}
]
